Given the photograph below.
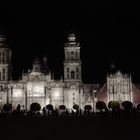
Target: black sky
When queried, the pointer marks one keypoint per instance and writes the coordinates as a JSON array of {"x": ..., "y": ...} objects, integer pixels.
[{"x": 108, "y": 32}]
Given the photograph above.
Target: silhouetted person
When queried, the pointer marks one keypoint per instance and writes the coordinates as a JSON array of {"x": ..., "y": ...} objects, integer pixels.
[
  {"x": 67, "y": 112},
  {"x": 44, "y": 111},
  {"x": 73, "y": 113},
  {"x": 18, "y": 107},
  {"x": 106, "y": 111},
  {"x": 56, "y": 113},
  {"x": 80, "y": 112}
]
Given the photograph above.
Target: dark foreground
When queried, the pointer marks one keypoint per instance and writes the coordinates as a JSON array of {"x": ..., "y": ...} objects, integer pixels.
[{"x": 86, "y": 127}]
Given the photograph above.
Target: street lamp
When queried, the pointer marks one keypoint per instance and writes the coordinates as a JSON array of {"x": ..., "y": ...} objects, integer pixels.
[
  {"x": 94, "y": 99},
  {"x": 1, "y": 92},
  {"x": 50, "y": 95}
]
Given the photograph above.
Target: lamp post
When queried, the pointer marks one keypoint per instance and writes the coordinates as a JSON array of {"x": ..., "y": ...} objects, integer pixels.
[
  {"x": 11, "y": 94},
  {"x": 45, "y": 95},
  {"x": 94, "y": 99},
  {"x": 1, "y": 92},
  {"x": 50, "y": 95},
  {"x": 26, "y": 98}
]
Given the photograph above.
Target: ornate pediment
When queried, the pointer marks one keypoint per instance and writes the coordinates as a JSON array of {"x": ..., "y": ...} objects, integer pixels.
[{"x": 35, "y": 76}]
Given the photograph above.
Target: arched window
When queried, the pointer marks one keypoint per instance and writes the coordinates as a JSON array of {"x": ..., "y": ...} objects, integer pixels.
[
  {"x": 67, "y": 56},
  {"x": 77, "y": 69},
  {"x": 76, "y": 56},
  {"x": 113, "y": 89},
  {"x": 72, "y": 52},
  {"x": 3, "y": 57},
  {"x": 72, "y": 74},
  {"x": 72, "y": 56},
  {"x": 77, "y": 76},
  {"x": 0, "y": 56},
  {"x": 37, "y": 69},
  {"x": 68, "y": 76},
  {"x": 3, "y": 70},
  {"x": 3, "y": 77},
  {"x": 67, "y": 69},
  {"x": 1, "y": 88}
]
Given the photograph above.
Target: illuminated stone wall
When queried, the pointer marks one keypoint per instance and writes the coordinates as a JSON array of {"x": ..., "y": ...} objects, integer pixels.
[
  {"x": 72, "y": 95},
  {"x": 119, "y": 87},
  {"x": 18, "y": 97},
  {"x": 57, "y": 97},
  {"x": 36, "y": 93},
  {"x": 16, "y": 94}
]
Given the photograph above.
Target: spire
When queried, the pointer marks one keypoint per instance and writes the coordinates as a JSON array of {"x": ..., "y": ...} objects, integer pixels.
[
  {"x": 36, "y": 65},
  {"x": 45, "y": 68},
  {"x": 11, "y": 78},
  {"x": 45, "y": 58},
  {"x": 112, "y": 66},
  {"x": 52, "y": 76},
  {"x": 37, "y": 61},
  {"x": 61, "y": 79},
  {"x": 1, "y": 29},
  {"x": 22, "y": 72}
]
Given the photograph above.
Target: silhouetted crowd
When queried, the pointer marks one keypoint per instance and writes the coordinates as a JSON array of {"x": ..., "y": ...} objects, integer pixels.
[{"x": 114, "y": 109}]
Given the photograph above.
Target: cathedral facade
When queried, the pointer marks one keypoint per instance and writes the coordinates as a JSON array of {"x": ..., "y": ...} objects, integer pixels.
[{"x": 38, "y": 84}]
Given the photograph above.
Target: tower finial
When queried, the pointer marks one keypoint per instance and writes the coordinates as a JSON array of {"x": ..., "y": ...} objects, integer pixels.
[
  {"x": 45, "y": 57},
  {"x": 71, "y": 37},
  {"x": 2, "y": 35},
  {"x": 112, "y": 66},
  {"x": 45, "y": 68},
  {"x": 1, "y": 29}
]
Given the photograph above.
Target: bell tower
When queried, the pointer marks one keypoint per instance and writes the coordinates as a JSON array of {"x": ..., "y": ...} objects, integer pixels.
[
  {"x": 5, "y": 59},
  {"x": 72, "y": 62}
]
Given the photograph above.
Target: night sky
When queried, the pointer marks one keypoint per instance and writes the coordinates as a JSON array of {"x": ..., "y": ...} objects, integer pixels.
[{"x": 108, "y": 32}]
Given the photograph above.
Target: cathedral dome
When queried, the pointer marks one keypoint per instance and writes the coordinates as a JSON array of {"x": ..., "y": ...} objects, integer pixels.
[{"x": 37, "y": 61}]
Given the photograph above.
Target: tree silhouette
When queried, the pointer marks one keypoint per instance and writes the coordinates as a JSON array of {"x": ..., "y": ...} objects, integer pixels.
[
  {"x": 34, "y": 107},
  {"x": 127, "y": 105},
  {"x": 49, "y": 107},
  {"x": 62, "y": 107},
  {"x": 138, "y": 107},
  {"x": 88, "y": 108},
  {"x": 7, "y": 107},
  {"x": 76, "y": 107},
  {"x": 100, "y": 105},
  {"x": 114, "y": 105}
]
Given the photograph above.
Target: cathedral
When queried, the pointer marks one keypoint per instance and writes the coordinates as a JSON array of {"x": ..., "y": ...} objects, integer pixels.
[{"x": 38, "y": 85}]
